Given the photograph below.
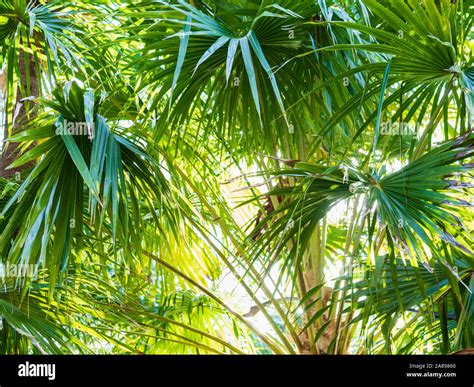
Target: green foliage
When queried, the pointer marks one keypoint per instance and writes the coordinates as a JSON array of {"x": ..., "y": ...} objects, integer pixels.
[{"x": 238, "y": 177}]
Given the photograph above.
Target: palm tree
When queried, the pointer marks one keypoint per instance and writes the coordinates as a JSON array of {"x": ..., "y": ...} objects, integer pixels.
[{"x": 252, "y": 177}]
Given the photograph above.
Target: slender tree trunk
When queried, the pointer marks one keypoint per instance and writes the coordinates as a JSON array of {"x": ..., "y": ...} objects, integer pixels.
[{"x": 19, "y": 117}]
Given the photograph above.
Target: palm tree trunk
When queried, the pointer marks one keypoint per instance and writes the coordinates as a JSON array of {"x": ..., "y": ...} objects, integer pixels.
[
  {"x": 29, "y": 85},
  {"x": 312, "y": 276}
]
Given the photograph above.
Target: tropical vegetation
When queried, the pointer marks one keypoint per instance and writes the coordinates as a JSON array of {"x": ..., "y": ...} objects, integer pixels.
[{"x": 249, "y": 177}]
